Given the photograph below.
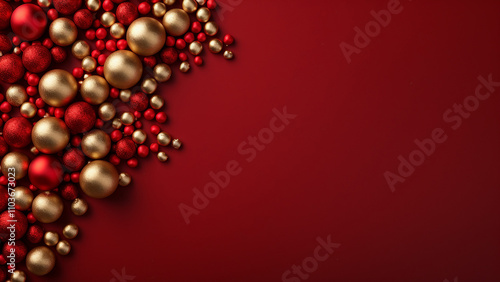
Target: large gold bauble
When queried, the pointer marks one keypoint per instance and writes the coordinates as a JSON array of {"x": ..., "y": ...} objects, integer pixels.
[
  {"x": 57, "y": 88},
  {"x": 16, "y": 95},
  {"x": 63, "y": 32},
  {"x": 17, "y": 161},
  {"x": 99, "y": 179},
  {"x": 23, "y": 198},
  {"x": 123, "y": 69},
  {"x": 40, "y": 260},
  {"x": 50, "y": 135},
  {"x": 47, "y": 207},
  {"x": 176, "y": 22},
  {"x": 146, "y": 36},
  {"x": 94, "y": 90},
  {"x": 96, "y": 144}
]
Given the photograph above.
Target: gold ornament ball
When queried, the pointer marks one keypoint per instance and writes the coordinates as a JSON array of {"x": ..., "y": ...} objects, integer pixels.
[
  {"x": 50, "y": 238},
  {"x": 125, "y": 95},
  {"x": 28, "y": 110},
  {"x": 50, "y": 135},
  {"x": 34, "y": 151},
  {"x": 127, "y": 118},
  {"x": 80, "y": 49},
  {"x": 117, "y": 123},
  {"x": 201, "y": 2},
  {"x": 96, "y": 144},
  {"x": 203, "y": 14},
  {"x": 70, "y": 231},
  {"x": 18, "y": 276},
  {"x": 63, "y": 247},
  {"x": 47, "y": 207},
  {"x": 228, "y": 55},
  {"x": 44, "y": 3},
  {"x": 89, "y": 64},
  {"x": 156, "y": 102},
  {"x": 169, "y": 2},
  {"x": 215, "y": 46},
  {"x": 23, "y": 197},
  {"x": 149, "y": 85},
  {"x": 162, "y": 156},
  {"x": 184, "y": 67},
  {"x": 16, "y": 95},
  {"x": 159, "y": 9},
  {"x": 57, "y": 88},
  {"x": 146, "y": 36},
  {"x": 99, "y": 179},
  {"x": 79, "y": 206},
  {"x": 163, "y": 138},
  {"x": 211, "y": 28},
  {"x": 176, "y": 22},
  {"x": 124, "y": 179},
  {"x": 117, "y": 30},
  {"x": 108, "y": 19},
  {"x": 162, "y": 72},
  {"x": 107, "y": 111},
  {"x": 176, "y": 143},
  {"x": 94, "y": 90},
  {"x": 40, "y": 260},
  {"x": 195, "y": 48},
  {"x": 63, "y": 31},
  {"x": 16, "y": 160},
  {"x": 93, "y": 5},
  {"x": 123, "y": 69},
  {"x": 139, "y": 136},
  {"x": 189, "y": 6}
]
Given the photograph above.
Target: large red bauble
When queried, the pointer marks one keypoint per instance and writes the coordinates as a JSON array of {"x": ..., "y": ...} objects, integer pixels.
[
  {"x": 80, "y": 117},
  {"x": 126, "y": 13},
  {"x": 74, "y": 159},
  {"x": 21, "y": 225},
  {"x": 5, "y": 43},
  {"x": 28, "y": 21},
  {"x": 45, "y": 172},
  {"x": 125, "y": 148},
  {"x": 36, "y": 58},
  {"x": 5, "y": 14},
  {"x": 83, "y": 19},
  {"x": 4, "y": 147},
  {"x": 4, "y": 198},
  {"x": 67, "y": 7},
  {"x": 11, "y": 68},
  {"x": 139, "y": 101},
  {"x": 20, "y": 250},
  {"x": 17, "y": 132}
]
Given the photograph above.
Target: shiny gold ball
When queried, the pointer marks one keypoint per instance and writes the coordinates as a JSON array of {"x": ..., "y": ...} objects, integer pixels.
[
  {"x": 34, "y": 150},
  {"x": 44, "y": 3},
  {"x": 96, "y": 144},
  {"x": 203, "y": 14},
  {"x": 156, "y": 102},
  {"x": 184, "y": 67},
  {"x": 163, "y": 138},
  {"x": 28, "y": 110},
  {"x": 176, "y": 143},
  {"x": 124, "y": 179},
  {"x": 94, "y": 90},
  {"x": 215, "y": 46},
  {"x": 189, "y": 6},
  {"x": 176, "y": 22},
  {"x": 89, "y": 64},
  {"x": 108, "y": 19},
  {"x": 63, "y": 247},
  {"x": 99, "y": 179},
  {"x": 117, "y": 123},
  {"x": 18, "y": 276},
  {"x": 16, "y": 160},
  {"x": 162, "y": 156},
  {"x": 159, "y": 9},
  {"x": 123, "y": 69},
  {"x": 125, "y": 95},
  {"x": 93, "y": 5},
  {"x": 201, "y": 2},
  {"x": 117, "y": 30},
  {"x": 169, "y": 2},
  {"x": 79, "y": 207},
  {"x": 50, "y": 238},
  {"x": 162, "y": 72},
  {"x": 57, "y": 88},
  {"x": 195, "y": 48},
  {"x": 40, "y": 260},
  {"x": 63, "y": 31},
  {"x": 127, "y": 118},
  {"x": 70, "y": 231},
  {"x": 211, "y": 28},
  {"x": 23, "y": 198},
  {"x": 149, "y": 85},
  {"x": 228, "y": 55},
  {"x": 139, "y": 136},
  {"x": 80, "y": 49},
  {"x": 47, "y": 207},
  {"x": 50, "y": 135},
  {"x": 16, "y": 95},
  {"x": 146, "y": 36},
  {"x": 107, "y": 111}
]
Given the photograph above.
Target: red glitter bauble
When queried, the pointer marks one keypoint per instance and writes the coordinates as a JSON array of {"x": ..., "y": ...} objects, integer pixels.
[
  {"x": 83, "y": 19},
  {"x": 126, "y": 13},
  {"x": 125, "y": 148},
  {"x": 5, "y": 43},
  {"x": 34, "y": 234},
  {"x": 5, "y": 14},
  {"x": 169, "y": 55},
  {"x": 67, "y": 7},
  {"x": 59, "y": 54},
  {"x": 11, "y": 68},
  {"x": 45, "y": 172},
  {"x": 5, "y": 221},
  {"x": 4, "y": 147},
  {"x": 19, "y": 251},
  {"x": 17, "y": 132},
  {"x": 36, "y": 58},
  {"x": 28, "y": 21},
  {"x": 4, "y": 197},
  {"x": 139, "y": 101},
  {"x": 74, "y": 159},
  {"x": 80, "y": 117},
  {"x": 69, "y": 191}
]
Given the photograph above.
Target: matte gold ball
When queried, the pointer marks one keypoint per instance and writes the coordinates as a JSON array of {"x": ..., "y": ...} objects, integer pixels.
[
  {"x": 79, "y": 206},
  {"x": 50, "y": 135},
  {"x": 203, "y": 14},
  {"x": 162, "y": 72},
  {"x": 124, "y": 179},
  {"x": 70, "y": 231},
  {"x": 63, "y": 247},
  {"x": 117, "y": 30},
  {"x": 146, "y": 36},
  {"x": 99, "y": 179},
  {"x": 96, "y": 144},
  {"x": 18, "y": 276},
  {"x": 107, "y": 111},
  {"x": 16, "y": 95},
  {"x": 16, "y": 160},
  {"x": 23, "y": 198},
  {"x": 47, "y": 207},
  {"x": 57, "y": 88},
  {"x": 123, "y": 69},
  {"x": 176, "y": 22},
  {"x": 94, "y": 89},
  {"x": 189, "y": 6},
  {"x": 40, "y": 260},
  {"x": 28, "y": 110},
  {"x": 139, "y": 136},
  {"x": 50, "y": 238},
  {"x": 63, "y": 31},
  {"x": 215, "y": 46},
  {"x": 211, "y": 28},
  {"x": 80, "y": 49},
  {"x": 163, "y": 138}
]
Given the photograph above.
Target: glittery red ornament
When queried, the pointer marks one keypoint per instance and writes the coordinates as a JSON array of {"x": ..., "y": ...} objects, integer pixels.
[
  {"x": 34, "y": 234},
  {"x": 11, "y": 68},
  {"x": 4, "y": 197},
  {"x": 17, "y": 132},
  {"x": 21, "y": 224},
  {"x": 5, "y": 43},
  {"x": 4, "y": 148},
  {"x": 169, "y": 55},
  {"x": 28, "y": 21},
  {"x": 59, "y": 54},
  {"x": 126, "y": 13},
  {"x": 36, "y": 58},
  {"x": 80, "y": 117},
  {"x": 139, "y": 101},
  {"x": 83, "y": 19},
  {"x": 5, "y": 14},
  {"x": 67, "y": 7},
  {"x": 74, "y": 159},
  {"x": 125, "y": 148},
  {"x": 45, "y": 172},
  {"x": 69, "y": 191},
  {"x": 17, "y": 251}
]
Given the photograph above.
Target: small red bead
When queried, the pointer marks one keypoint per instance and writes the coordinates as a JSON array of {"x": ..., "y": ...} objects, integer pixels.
[
  {"x": 100, "y": 45},
  {"x": 47, "y": 43},
  {"x": 114, "y": 159},
  {"x": 51, "y": 111},
  {"x": 155, "y": 129},
  {"x": 144, "y": 8},
  {"x": 95, "y": 54},
  {"x": 138, "y": 124},
  {"x": 31, "y": 218},
  {"x": 128, "y": 130},
  {"x": 75, "y": 177},
  {"x": 198, "y": 60},
  {"x": 39, "y": 103},
  {"x": 180, "y": 44},
  {"x": 102, "y": 59},
  {"x": 137, "y": 114},
  {"x": 189, "y": 37},
  {"x": 211, "y": 4},
  {"x": 33, "y": 79},
  {"x": 32, "y": 187},
  {"x": 143, "y": 151},
  {"x": 121, "y": 44},
  {"x": 59, "y": 112},
  {"x": 161, "y": 117},
  {"x": 202, "y": 37},
  {"x": 99, "y": 123},
  {"x": 196, "y": 27},
  {"x": 228, "y": 39},
  {"x": 170, "y": 41},
  {"x": 100, "y": 70},
  {"x": 107, "y": 5},
  {"x": 149, "y": 114},
  {"x": 5, "y": 117},
  {"x": 16, "y": 40},
  {"x": 111, "y": 45},
  {"x": 77, "y": 72},
  {"x": 90, "y": 34},
  {"x": 96, "y": 23},
  {"x": 3, "y": 180},
  {"x": 116, "y": 135},
  {"x": 101, "y": 33},
  {"x": 40, "y": 112},
  {"x": 133, "y": 162},
  {"x": 183, "y": 57},
  {"x": 67, "y": 178},
  {"x": 24, "y": 45},
  {"x": 150, "y": 61},
  {"x": 114, "y": 93},
  {"x": 154, "y": 147},
  {"x": 5, "y": 107},
  {"x": 31, "y": 90},
  {"x": 52, "y": 14},
  {"x": 76, "y": 141}
]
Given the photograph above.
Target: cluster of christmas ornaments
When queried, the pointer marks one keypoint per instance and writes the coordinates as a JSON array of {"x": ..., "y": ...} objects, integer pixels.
[{"x": 65, "y": 132}]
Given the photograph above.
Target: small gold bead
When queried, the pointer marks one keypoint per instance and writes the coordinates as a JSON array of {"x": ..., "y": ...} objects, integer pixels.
[
  {"x": 89, "y": 64},
  {"x": 124, "y": 179},
  {"x": 63, "y": 247},
  {"x": 156, "y": 102},
  {"x": 162, "y": 157},
  {"x": 80, "y": 49},
  {"x": 203, "y": 14},
  {"x": 139, "y": 136},
  {"x": 34, "y": 150},
  {"x": 79, "y": 206},
  {"x": 211, "y": 28},
  {"x": 18, "y": 276},
  {"x": 159, "y": 9},
  {"x": 195, "y": 48},
  {"x": 44, "y": 3},
  {"x": 17, "y": 50},
  {"x": 163, "y": 138},
  {"x": 201, "y": 2},
  {"x": 184, "y": 67},
  {"x": 176, "y": 143},
  {"x": 228, "y": 55},
  {"x": 16, "y": 95},
  {"x": 125, "y": 95},
  {"x": 215, "y": 46},
  {"x": 127, "y": 118},
  {"x": 107, "y": 111},
  {"x": 50, "y": 238},
  {"x": 108, "y": 19},
  {"x": 117, "y": 123},
  {"x": 149, "y": 85},
  {"x": 70, "y": 231},
  {"x": 189, "y": 6},
  {"x": 169, "y": 2},
  {"x": 93, "y": 5},
  {"x": 117, "y": 30},
  {"x": 162, "y": 72}
]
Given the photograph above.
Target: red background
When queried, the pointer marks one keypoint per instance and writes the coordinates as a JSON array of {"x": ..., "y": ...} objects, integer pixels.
[{"x": 323, "y": 175}]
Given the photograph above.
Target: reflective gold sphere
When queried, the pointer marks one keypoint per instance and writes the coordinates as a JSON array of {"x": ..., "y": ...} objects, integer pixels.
[
  {"x": 40, "y": 260},
  {"x": 195, "y": 48},
  {"x": 57, "y": 88},
  {"x": 79, "y": 207},
  {"x": 211, "y": 28},
  {"x": 189, "y": 6},
  {"x": 215, "y": 46},
  {"x": 23, "y": 198},
  {"x": 50, "y": 238},
  {"x": 96, "y": 144},
  {"x": 156, "y": 102},
  {"x": 163, "y": 138},
  {"x": 18, "y": 276},
  {"x": 47, "y": 207},
  {"x": 162, "y": 157},
  {"x": 162, "y": 72},
  {"x": 93, "y": 5},
  {"x": 108, "y": 19},
  {"x": 159, "y": 9},
  {"x": 203, "y": 14},
  {"x": 70, "y": 231},
  {"x": 50, "y": 135},
  {"x": 99, "y": 179},
  {"x": 89, "y": 64},
  {"x": 149, "y": 85},
  {"x": 123, "y": 69},
  {"x": 176, "y": 22},
  {"x": 139, "y": 136},
  {"x": 16, "y": 95},
  {"x": 63, "y": 31},
  {"x": 28, "y": 110},
  {"x": 124, "y": 179},
  {"x": 117, "y": 30},
  {"x": 94, "y": 89},
  {"x": 107, "y": 111},
  {"x": 146, "y": 36},
  {"x": 63, "y": 247},
  {"x": 16, "y": 160},
  {"x": 80, "y": 49}
]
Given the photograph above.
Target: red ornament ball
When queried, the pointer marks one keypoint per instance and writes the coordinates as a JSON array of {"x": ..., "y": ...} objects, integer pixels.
[
  {"x": 5, "y": 221},
  {"x": 58, "y": 54},
  {"x": 45, "y": 172},
  {"x": 28, "y": 21},
  {"x": 67, "y": 7},
  {"x": 83, "y": 19},
  {"x": 69, "y": 192},
  {"x": 169, "y": 55},
  {"x": 11, "y": 68},
  {"x": 139, "y": 101},
  {"x": 5, "y": 14},
  {"x": 36, "y": 58},
  {"x": 5, "y": 43},
  {"x": 4, "y": 147},
  {"x": 19, "y": 250},
  {"x": 126, "y": 13},
  {"x": 80, "y": 117},
  {"x": 74, "y": 159},
  {"x": 17, "y": 132},
  {"x": 125, "y": 148},
  {"x": 35, "y": 234}
]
